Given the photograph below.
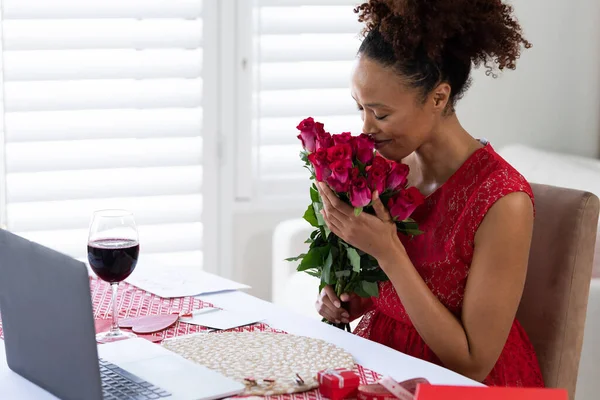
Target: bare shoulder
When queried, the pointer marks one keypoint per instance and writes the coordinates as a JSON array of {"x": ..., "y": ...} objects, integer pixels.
[{"x": 511, "y": 215}]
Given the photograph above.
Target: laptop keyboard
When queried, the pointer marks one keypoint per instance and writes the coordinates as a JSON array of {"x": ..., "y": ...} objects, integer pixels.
[{"x": 118, "y": 384}]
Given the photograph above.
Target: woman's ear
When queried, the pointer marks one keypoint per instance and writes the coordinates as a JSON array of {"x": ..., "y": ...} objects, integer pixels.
[{"x": 441, "y": 97}]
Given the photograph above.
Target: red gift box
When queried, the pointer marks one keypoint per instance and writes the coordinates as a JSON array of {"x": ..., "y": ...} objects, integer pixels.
[
  {"x": 432, "y": 392},
  {"x": 338, "y": 384}
]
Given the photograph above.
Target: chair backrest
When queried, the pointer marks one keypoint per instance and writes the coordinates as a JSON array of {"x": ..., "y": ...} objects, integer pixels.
[{"x": 553, "y": 307}]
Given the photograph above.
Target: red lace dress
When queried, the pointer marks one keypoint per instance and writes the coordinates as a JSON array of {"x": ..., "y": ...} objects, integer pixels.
[{"x": 442, "y": 256}]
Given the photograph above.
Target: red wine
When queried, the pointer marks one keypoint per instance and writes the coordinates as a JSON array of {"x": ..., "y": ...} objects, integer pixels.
[{"x": 113, "y": 260}]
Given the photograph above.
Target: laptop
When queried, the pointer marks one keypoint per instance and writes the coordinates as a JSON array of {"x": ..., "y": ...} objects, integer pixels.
[{"x": 49, "y": 336}]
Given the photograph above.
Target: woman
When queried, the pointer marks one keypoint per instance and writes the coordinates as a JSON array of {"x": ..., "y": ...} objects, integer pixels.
[{"x": 453, "y": 292}]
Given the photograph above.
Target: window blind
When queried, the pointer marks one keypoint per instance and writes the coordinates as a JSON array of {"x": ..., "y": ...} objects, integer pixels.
[
  {"x": 103, "y": 109},
  {"x": 305, "y": 52}
]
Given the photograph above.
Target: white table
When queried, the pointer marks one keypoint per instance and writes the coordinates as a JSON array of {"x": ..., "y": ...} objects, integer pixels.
[{"x": 369, "y": 354}]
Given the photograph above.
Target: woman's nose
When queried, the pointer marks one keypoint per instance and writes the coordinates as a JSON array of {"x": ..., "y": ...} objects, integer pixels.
[{"x": 369, "y": 126}]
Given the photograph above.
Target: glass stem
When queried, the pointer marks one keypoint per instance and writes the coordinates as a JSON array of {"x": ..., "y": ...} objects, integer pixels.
[{"x": 114, "y": 328}]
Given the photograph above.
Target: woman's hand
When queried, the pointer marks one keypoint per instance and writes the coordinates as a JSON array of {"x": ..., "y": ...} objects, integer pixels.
[
  {"x": 374, "y": 234},
  {"x": 329, "y": 306}
]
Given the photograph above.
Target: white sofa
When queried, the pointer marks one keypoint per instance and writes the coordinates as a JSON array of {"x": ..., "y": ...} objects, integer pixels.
[
  {"x": 298, "y": 291},
  {"x": 294, "y": 290}
]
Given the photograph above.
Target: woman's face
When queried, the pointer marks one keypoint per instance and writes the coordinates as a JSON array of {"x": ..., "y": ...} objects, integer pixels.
[{"x": 393, "y": 113}]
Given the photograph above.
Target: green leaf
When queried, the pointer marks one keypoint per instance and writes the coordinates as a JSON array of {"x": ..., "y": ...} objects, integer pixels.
[
  {"x": 411, "y": 232},
  {"x": 357, "y": 211},
  {"x": 317, "y": 207},
  {"x": 354, "y": 259},
  {"x": 361, "y": 167},
  {"x": 326, "y": 276},
  {"x": 314, "y": 272},
  {"x": 314, "y": 194},
  {"x": 313, "y": 259},
  {"x": 310, "y": 216},
  {"x": 300, "y": 257},
  {"x": 326, "y": 231},
  {"x": 304, "y": 156},
  {"x": 374, "y": 275},
  {"x": 359, "y": 291},
  {"x": 365, "y": 262},
  {"x": 320, "y": 241},
  {"x": 408, "y": 227},
  {"x": 370, "y": 288},
  {"x": 342, "y": 274},
  {"x": 314, "y": 234},
  {"x": 408, "y": 224}
]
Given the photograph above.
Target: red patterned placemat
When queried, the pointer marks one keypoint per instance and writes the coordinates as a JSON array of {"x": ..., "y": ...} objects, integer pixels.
[
  {"x": 366, "y": 377},
  {"x": 135, "y": 302}
]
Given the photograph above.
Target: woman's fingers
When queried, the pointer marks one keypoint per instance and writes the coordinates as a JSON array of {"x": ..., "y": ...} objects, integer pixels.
[
  {"x": 330, "y": 293},
  {"x": 332, "y": 203},
  {"x": 326, "y": 307},
  {"x": 380, "y": 209},
  {"x": 333, "y": 224},
  {"x": 345, "y": 297},
  {"x": 329, "y": 306}
]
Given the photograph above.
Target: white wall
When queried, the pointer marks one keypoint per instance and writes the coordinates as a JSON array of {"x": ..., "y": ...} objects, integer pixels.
[{"x": 551, "y": 101}]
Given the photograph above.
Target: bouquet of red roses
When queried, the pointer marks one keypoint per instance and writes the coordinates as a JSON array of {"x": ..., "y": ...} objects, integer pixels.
[{"x": 353, "y": 170}]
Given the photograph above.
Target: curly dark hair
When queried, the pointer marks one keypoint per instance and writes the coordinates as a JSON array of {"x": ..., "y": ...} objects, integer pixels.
[{"x": 434, "y": 41}]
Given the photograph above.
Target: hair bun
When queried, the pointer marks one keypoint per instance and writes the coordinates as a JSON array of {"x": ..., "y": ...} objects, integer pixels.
[{"x": 477, "y": 31}]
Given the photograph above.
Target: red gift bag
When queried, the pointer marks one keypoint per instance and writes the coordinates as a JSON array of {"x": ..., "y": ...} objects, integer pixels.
[{"x": 433, "y": 392}]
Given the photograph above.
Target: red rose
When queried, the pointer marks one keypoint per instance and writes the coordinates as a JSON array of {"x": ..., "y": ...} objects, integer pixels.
[
  {"x": 364, "y": 148},
  {"x": 324, "y": 139},
  {"x": 342, "y": 138},
  {"x": 306, "y": 124},
  {"x": 360, "y": 194},
  {"x": 340, "y": 175},
  {"x": 382, "y": 163},
  {"x": 376, "y": 177},
  {"x": 337, "y": 186},
  {"x": 397, "y": 177},
  {"x": 319, "y": 161},
  {"x": 309, "y": 141},
  {"x": 340, "y": 170},
  {"x": 308, "y": 134},
  {"x": 339, "y": 152},
  {"x": 404, "y": 203}
]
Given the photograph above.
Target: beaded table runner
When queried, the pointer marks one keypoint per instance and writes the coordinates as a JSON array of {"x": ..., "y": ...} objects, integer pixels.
[
  {"x": 268, "y": 363},
  {"x": 135, "y": 302}
]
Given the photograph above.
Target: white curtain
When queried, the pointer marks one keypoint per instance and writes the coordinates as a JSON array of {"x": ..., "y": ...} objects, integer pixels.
[
  {"x": 305, "y": 51},
  {"x": 103, "y": 109}
]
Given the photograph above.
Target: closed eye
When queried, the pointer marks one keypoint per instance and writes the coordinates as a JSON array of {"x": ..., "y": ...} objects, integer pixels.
[{"x": 360, "y": 108}]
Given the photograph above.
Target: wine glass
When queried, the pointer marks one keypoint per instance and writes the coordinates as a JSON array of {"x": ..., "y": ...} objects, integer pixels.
[{"x": 113, "y": 249}]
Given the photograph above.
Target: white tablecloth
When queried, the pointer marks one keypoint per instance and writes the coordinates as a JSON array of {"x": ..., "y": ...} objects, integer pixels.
[{"x": 369, "y": 354}]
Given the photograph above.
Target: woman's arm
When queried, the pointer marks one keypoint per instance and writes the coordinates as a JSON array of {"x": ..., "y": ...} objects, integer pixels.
[{"x": 472, "y": 344}]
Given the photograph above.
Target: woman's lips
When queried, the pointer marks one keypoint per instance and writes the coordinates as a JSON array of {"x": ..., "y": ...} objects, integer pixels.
[{"x": 380, "y": 143}]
